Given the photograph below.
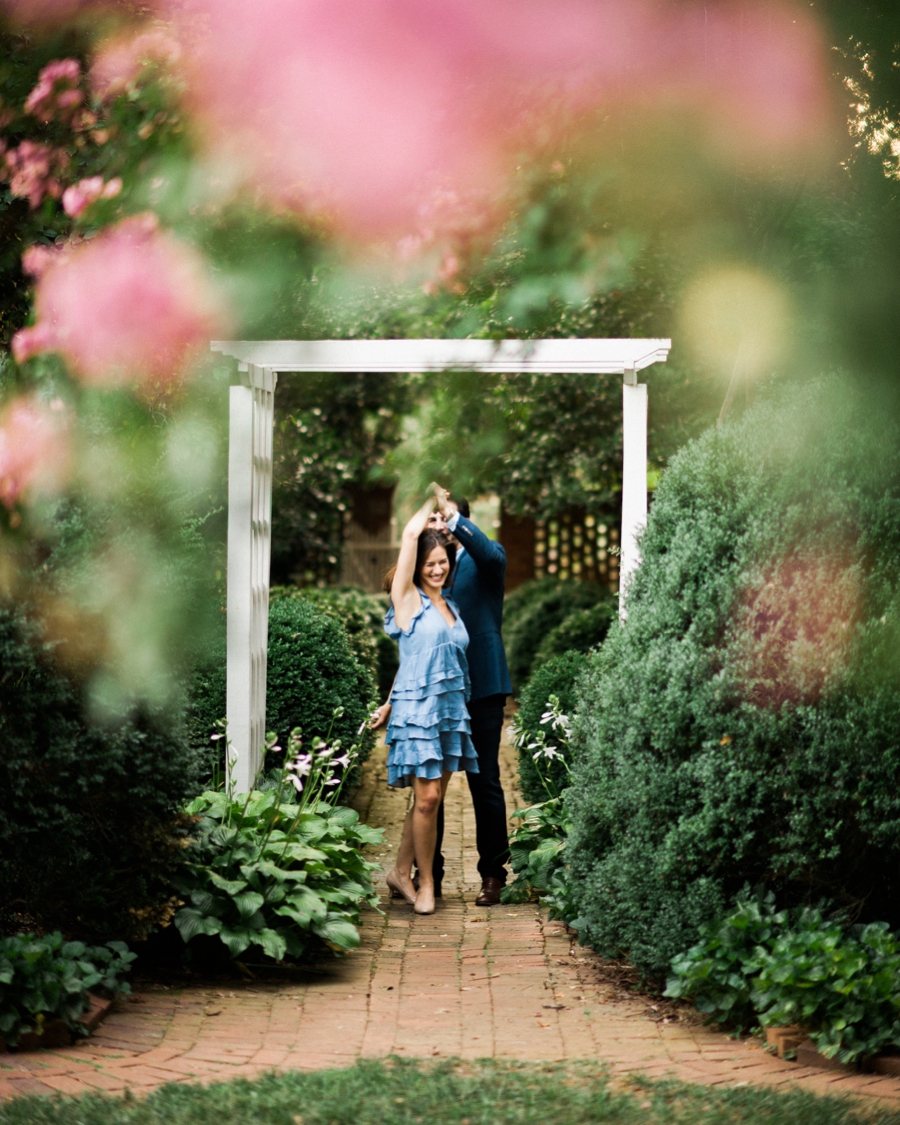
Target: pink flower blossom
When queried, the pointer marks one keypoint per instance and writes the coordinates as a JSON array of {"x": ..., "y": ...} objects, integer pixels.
[
  {"x": 80, "y": 196},
  {"x": 365, "y": 108},
  {"x": 34, "y": 448},
  {"x": 56, "y": 91},
  {"x": 33, "y": 169},
  {"x": 119, "y": 62},
  {"x": 36, "y": 259},
  {"x": 129, "y": 306}
]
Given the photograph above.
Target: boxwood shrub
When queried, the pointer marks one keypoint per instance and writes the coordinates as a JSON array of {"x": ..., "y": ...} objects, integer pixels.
[
  {"x": 548, "y": 608},
  {"x": 557, "y": 677},
  {"x": 741, "y": 728},
  {"x": 362, "y": 615},
  {"x": 90, "y": 828},
  {"x": 580, "y": 631},
  {"x": 311, "y": 671}
]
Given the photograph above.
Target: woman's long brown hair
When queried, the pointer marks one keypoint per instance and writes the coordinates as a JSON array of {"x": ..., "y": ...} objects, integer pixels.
[{"x": 430, "y": 538}]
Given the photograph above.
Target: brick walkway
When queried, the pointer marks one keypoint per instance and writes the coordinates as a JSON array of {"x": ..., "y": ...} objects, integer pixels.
[{"x": 466, "y": 982}]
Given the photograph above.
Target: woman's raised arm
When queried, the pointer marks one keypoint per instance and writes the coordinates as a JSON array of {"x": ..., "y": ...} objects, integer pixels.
[{"x": 405, "y": 597}]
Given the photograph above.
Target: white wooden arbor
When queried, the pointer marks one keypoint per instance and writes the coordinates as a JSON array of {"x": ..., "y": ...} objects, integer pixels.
[{"x": 250, "y": 471}]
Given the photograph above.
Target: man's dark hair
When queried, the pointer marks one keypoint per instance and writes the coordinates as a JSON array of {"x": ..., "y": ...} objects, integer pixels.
[{"x": 462, "y": 503}]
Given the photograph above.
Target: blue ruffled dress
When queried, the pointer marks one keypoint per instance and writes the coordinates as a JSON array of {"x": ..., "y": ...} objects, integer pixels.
[{"x": 429, "y": 730}]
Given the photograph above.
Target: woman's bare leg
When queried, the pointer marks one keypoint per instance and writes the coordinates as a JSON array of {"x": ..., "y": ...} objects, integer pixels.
[
  {"x": 400, "y": 878},
  {"x": 429, "y": 795}
]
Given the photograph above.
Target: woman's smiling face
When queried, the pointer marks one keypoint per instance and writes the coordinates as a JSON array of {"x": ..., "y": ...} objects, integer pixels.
[{"x": 435, "y": 569}]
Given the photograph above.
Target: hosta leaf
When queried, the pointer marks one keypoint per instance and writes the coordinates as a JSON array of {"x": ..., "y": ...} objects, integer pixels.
[
  {"x": 272, "y": 942},
  {"x": 236, "y": 939},
  {"x": 230, "y": 886},
  {"x": 304, "y": 899},
  {"x": 338, "y": 931},
  {"x": 191, "y": 922},
  {"x": 301, "y": 917},
  {"x": 343, "y": 816},
  {"x": 248, "y": 903},
  {"x": 207, "y": 902}
]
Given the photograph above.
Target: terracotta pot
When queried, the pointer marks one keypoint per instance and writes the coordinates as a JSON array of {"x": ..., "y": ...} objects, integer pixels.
[{"x": 785, "y": 1040}]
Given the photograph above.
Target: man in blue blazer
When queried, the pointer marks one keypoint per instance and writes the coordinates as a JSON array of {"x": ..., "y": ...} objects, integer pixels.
[{"x": 476, "y": 586}]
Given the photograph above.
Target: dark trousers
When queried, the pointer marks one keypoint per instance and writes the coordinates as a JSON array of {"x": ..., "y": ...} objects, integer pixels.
[{"x": 487, "y": 794}]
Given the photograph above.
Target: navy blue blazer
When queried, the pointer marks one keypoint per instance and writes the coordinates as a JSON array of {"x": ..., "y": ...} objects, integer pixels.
[{"x": 477, "y": 588}]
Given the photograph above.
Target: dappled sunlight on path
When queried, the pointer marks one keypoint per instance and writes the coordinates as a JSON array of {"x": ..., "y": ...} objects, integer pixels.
[{"x": 467, "y": 982}]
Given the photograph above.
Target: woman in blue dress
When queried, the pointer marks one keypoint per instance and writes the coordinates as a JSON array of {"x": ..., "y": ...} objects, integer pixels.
[{"x": 428, "y": 734}]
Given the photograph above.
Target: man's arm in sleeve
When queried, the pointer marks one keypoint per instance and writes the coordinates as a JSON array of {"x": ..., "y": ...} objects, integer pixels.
[{"x": 487, "y": 554}]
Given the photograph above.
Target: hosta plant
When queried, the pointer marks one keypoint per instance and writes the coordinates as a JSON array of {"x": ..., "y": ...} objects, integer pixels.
[
  {"x": 47, "y": 977},
  {"x": 537, "y": 847},
  {"x": 280, "y": 867}
]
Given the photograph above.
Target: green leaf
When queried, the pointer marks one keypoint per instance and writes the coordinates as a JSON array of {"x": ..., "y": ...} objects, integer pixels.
[
  {"x": 272, "y": 942},
  {"x": 248, "y": 903},
  {"x": 236, "y": 939},
  {"x": 230, "y": 886},
  {"x": 338, "y": 931},
  {"x": 191, "y": 922}
]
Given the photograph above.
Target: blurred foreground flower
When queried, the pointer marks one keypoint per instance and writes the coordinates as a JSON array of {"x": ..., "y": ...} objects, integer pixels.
[
  {"x": 80, "y": 196},
  {"x": 130, "y": 306},
  {"x": 34, "y": 448},
  {"x": 56, "y": 93},
  {"x": 366, "y": 108},
  {"x": 119, "y": 61}
]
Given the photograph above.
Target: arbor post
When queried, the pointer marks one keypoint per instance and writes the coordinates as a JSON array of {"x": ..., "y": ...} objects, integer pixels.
[
  {"x": 634, "y": 479},
  {"x": 252, "y": 416}
]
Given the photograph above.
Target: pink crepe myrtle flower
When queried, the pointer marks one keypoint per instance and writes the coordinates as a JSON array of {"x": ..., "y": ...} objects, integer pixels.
[
  {"x": 34, "y": 448},
  {"x": 80, "y": 196},
  {"x": 132, "y": 305},
  {"x": 364, "y": 108},
  {"x": 33, "y": 171},
  {"x": 36, "y": 259},
  {"x": 56, "y": 92},
  {"x": 118, "y": 62}
]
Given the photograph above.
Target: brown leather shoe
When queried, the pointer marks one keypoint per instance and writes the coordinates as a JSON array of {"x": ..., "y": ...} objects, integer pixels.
[{"x": 490, "y": 892}]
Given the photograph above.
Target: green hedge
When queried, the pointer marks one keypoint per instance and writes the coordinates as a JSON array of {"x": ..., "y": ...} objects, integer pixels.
[
  {"x": 90, "y": 828},
  {"x": 362, "y": 615},
  {"x": 311, "y": 671},
  {"x": 557, "y": 677},
  {"x": 532, "y": 621},
  {"x": 741, "y": 728},
  {"x": 580, "y": 631}
]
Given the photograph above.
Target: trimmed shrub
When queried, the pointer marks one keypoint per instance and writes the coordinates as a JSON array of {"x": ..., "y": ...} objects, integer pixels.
[
  {"x": 557, "y": 677},
  {"x": 90, "y": 827},
  {"x": 531, "y": 627},
  {"x": 522, "y": 598},
  {"x": 741, "y": 728},
  {"x": 362, "y": 615},
  {"x": 580, "y": 632},
  {"x": 312, "y": 670}
]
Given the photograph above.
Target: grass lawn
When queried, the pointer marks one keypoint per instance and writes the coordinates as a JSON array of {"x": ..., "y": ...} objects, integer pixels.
[{"x": 397, "y": 1092}]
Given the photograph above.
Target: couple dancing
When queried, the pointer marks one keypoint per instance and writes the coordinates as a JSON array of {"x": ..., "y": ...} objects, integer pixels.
[{"x": 445, "y": 711}]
